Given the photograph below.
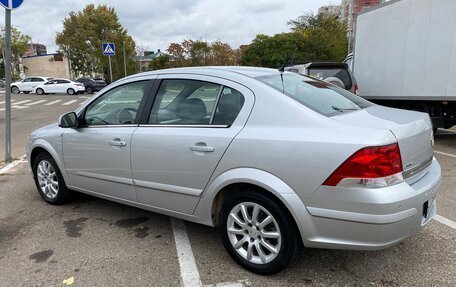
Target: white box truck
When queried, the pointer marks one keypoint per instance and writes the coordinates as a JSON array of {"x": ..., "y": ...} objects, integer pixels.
[{"x": 405, "y": 57}]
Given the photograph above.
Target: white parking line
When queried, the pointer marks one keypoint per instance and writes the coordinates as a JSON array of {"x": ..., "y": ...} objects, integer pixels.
[
  {"x": 444, "y": 153},
  {"x": 35, "y": 103},
  {"x": 69, "y": 102},
  {"x": 11, "y": 165},
  {"x": 54, "y": 102},
  {"x": 189, "y": 272},
  {"x": 445, "y": 221}
]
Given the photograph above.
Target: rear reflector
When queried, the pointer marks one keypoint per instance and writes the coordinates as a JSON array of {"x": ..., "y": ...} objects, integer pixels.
[
  {"x": 356, "y": 89},
  {"x": 369, "y": 167}
]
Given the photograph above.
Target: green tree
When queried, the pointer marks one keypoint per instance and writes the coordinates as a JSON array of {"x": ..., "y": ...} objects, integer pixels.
[
  {"x": 20, "y": 44},
  {"x": 326, "y": 36},
  {"x": 313, "y": 38},
  {"x": 82, "y": 37},
  {"x": 200, "y": 53},
  {"x": 222, "y": 54}
]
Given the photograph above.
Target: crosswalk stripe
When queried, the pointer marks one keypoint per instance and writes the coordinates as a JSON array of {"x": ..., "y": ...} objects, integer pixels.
[
  {"x": 22, "y": 102},
  {"x": 35, "y": 103},
  {"x": 54, "y": 102},
  {"x": 5, "y": 102},
  {"x": 69, "y": 102}
]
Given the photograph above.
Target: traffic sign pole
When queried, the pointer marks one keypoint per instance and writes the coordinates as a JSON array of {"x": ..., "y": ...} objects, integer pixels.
[
  {"x": 9, "y": 5},
  {"x": 110, "y": 68},
  {"x": 7, "y": 62}
]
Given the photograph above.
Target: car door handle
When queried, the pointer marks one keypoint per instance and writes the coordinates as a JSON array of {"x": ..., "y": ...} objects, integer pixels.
[
  {"x": 117, "y": 142},
  {"x": 201, "y": 147}
]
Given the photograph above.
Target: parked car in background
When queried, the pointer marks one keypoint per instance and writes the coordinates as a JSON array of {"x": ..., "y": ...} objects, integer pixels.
[
  {"x": 332, "y": 72},
  {"x": 28, "y": 84},
  {"x": 92, "y": 85},
  {"x": 274, "y": 159},
  {"x": 56, "y": 86}
]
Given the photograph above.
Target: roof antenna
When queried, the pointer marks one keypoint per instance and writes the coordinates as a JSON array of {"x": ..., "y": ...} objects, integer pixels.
[{"x": 287, "y": 59}]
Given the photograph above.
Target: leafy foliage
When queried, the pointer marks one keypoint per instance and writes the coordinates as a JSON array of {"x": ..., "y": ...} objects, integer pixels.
[
  {"x": 199, "y": 53},
  {"x": 82, "y": 37},
  {"x": 20, "y": 44},
  {"x": 313, "y": 38}
]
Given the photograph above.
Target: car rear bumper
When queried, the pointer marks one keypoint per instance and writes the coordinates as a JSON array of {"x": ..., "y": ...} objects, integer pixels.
[{"x": 371, "y": 218}]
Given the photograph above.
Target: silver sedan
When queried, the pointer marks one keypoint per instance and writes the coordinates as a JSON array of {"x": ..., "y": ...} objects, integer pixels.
[{"x": 274, "y": 159}]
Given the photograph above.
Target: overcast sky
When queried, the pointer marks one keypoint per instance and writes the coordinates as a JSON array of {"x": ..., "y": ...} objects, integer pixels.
[{"x": 156, "y": 24}]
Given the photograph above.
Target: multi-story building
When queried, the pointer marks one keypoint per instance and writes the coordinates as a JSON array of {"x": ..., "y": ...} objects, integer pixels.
[
  {"x": 36, "y": 50},
  {"x": 349, "y": 11},
  {"x": 330, "y": 10}
]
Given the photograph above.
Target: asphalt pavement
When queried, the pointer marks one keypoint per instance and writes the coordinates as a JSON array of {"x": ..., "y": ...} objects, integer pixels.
[{"x": 94, "y": 242}]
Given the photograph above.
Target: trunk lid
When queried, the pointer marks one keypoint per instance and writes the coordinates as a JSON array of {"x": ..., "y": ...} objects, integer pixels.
[{"x": 413, "y": 131}]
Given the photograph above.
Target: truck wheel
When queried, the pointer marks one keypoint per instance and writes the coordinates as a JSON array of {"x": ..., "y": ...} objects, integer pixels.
[{"x": 257, "y": 233}]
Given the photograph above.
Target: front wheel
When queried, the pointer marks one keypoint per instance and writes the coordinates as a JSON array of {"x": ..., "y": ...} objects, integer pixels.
[
  {"x": 15, "y": 90},
  {"x": 89, "y": 90},
  {"x": 70, "y": 92},
  {"x": 39, "y": 91},
  {"x": 49, "y": 180},
  {"x": 257, "y": 232}
]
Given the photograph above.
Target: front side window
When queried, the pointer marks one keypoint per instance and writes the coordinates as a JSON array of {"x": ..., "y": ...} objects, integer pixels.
[
  {"x": 62, "y": 82},
  {"x": 27, "y": 80},
  {"x": 37, "y": 80},
  {"x": 319, "y": 96},
  {"x": 184, "y": 102},
  {"x": 118, "y": 106}
]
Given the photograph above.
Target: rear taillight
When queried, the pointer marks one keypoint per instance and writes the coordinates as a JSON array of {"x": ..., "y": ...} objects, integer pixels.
[
  {"x": 356, "y": 89},
  {"x": 369, "y": 167}
]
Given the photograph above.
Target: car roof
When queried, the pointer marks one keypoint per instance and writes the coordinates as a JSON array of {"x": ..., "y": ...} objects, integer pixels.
[{"x": 221, "y": 71}]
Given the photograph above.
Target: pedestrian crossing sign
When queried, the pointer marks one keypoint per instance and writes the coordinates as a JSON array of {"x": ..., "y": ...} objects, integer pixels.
[{"x": 109, "y": 49}]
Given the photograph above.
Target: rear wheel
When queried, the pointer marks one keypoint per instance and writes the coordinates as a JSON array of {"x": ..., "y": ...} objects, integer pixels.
[
  {"x": 257, "y": 233},
  {"x": 70, "y": 92},
  {"x": 89, "y": 90},
  {"x": 15, "y": 90},
  {"x": 39, "y": 91},
  {"x": 49, "y": 180}
]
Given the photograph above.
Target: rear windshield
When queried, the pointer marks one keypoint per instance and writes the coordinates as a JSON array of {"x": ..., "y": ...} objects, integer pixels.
[
  {"x": 319, "y": 96},
  {"x": 323, "y": 73}
]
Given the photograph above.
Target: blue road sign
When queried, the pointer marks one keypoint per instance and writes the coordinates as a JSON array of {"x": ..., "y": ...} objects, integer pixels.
[
  {"x": 11, "y": 4},
  {"x": 109, "y": 49}
]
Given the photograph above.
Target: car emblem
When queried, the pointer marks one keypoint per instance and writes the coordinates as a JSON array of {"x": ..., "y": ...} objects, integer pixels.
[{"x": 409, "y": 165}]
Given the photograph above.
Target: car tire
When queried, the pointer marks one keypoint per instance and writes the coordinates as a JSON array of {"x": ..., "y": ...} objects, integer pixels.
[
  {"x": 70, "y": 92},
  {"x": 335, "y": 81},
  {"x": 48, "y": 180},
  {"x": 39, "y": 91},
  {"x": 15, "y": 90},
  {"x": 89, "y": 90},
  {"x": 254, "y": 237}
]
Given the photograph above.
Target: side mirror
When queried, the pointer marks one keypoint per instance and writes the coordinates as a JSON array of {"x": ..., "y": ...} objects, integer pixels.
[{"x": 69, "y": 120}]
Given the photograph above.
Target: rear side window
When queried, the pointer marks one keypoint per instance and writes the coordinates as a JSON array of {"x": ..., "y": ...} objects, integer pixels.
[
  {"x": 319, "y": 96},
  {"x": 326, "y": 73},
  {"x": 184, "y": 102},
  {"x": 192, "y": 102}
]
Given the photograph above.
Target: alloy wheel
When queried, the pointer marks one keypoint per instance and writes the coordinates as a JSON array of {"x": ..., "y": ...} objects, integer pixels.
[
  {"x": 254, "y": 233},
  {"x": 47, "y": 179}
]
